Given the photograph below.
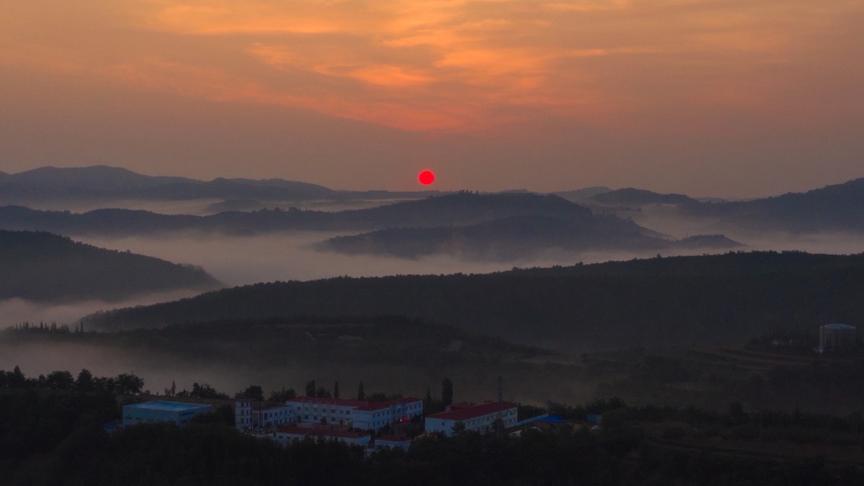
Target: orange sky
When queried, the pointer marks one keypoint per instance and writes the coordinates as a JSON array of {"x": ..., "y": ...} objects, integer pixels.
[{"x": 722, "y": 97}]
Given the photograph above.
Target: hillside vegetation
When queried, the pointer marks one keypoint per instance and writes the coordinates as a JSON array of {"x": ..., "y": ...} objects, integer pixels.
[
  {"x": 46, "y": 267},
  {"x": 653, "y": 302}
]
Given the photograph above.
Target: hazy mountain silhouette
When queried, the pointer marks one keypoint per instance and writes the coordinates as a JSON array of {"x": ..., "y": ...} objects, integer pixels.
[
  {"x": 583, "y": 194},
  {"x": 46, "y": 267},
  {"x": 465, "y": 208},
  {"x": 837, "y": 207},
  {"x": 639, "y": 197},
  {"x": 112, "y": 183},
  {"x": 659, "y": 301},
  {"x": 517, "y": 237},
  {"x": 454, "y": 209}
]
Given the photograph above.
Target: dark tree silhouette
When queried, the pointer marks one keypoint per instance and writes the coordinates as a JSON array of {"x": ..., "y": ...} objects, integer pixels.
[{"x": 447, "y": 392}]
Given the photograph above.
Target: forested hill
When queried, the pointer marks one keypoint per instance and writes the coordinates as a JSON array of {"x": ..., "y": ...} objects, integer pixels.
[
  {"x": 46, "y": 267},
  {"x": 662, "y": 301}
]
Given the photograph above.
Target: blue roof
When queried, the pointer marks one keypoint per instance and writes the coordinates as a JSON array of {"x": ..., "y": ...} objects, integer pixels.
[
  {"x": 836, "y": 326},
  {"x": 166, "y": 406}
]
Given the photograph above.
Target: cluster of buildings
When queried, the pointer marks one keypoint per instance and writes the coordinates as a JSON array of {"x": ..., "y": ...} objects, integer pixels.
[
  {"x": 359, "y": 423},
  {"x": 351, "y": 414}
]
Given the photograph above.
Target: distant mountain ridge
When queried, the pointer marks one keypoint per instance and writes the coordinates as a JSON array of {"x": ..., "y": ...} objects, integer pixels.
[
  {"x": 838, "y": 207},
  {"x": 518, "y": 237},
  {"x": 500, "y": 226},
  {"x": 454, "y": 209},
  {"x": 640, "y": 197},
  {"x": 100, "y": 182},
  {"x": 45, "y": 267},
  {"x": 833, "y": 208}
]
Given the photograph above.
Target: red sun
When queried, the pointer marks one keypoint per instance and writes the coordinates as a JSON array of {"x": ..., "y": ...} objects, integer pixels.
[{"x": 426, "y": 177}]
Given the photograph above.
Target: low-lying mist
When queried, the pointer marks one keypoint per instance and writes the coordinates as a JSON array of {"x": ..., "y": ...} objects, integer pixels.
[
  {"x": 159, "y": 370},
  {"x": 17, "y": 311},
  {"x": 239, "y": 260},
  {"x": 203, "y": 206},
  {"x": 670, "y": 221}
]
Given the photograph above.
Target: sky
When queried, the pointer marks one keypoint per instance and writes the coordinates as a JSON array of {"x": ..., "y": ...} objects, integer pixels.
[{"x": 708, "y": 97}]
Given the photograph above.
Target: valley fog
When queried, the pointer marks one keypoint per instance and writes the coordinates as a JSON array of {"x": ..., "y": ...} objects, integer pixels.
[
  {"x": 17, "y": 311},
  {"x": 242, "y": 260},
  {"x": 159, "y": 370},
  {"x": 237, "y": 260}
]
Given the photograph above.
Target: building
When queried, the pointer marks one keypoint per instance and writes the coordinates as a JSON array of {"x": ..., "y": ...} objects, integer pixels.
[
  {"x": 474, "y": 417},
  {"x": 355, "y": 414},
  {"x": 377, "y": 415},
  {"x": 837, "y": 337},
  {"x": 248, "y": 415},
  {"x": 162, "y": 411},
  {"x": 289, "y": 434}
]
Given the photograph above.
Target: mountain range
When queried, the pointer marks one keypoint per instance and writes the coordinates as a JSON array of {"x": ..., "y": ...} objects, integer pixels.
[
  {"x": 106, "y": 183},
  {"x": 453, "y": 209},
  {"x": 838, "y": 207},
  {"x": 498, "y": 226},
  {"x": 833, "y": 208}
]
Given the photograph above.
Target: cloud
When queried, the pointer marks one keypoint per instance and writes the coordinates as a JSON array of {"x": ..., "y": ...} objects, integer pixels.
[{"x": 529, "y": 76}]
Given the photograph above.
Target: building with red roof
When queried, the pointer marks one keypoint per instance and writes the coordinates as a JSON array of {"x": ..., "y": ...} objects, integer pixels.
[{"x": 478, "y": 417}]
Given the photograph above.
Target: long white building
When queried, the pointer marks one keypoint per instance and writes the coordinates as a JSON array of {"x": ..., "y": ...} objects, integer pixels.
[
  {"x": 353, "y": 414},
  {"x": 474, "y": 417}
]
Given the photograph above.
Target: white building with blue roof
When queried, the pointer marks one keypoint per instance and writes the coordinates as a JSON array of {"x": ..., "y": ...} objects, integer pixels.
[{"x": 161, "y": 411}]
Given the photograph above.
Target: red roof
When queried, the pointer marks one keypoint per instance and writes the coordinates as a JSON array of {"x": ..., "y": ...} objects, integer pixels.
[
  {"x": 468, "y": 411},
  {"x": 387, "y": 404}
]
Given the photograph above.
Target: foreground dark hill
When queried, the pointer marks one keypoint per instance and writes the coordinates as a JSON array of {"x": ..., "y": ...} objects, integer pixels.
[
  {"x": 662, "y": 301},
  {"x": 45, "y": 267},
  {"x": 518, "y": 237}
]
